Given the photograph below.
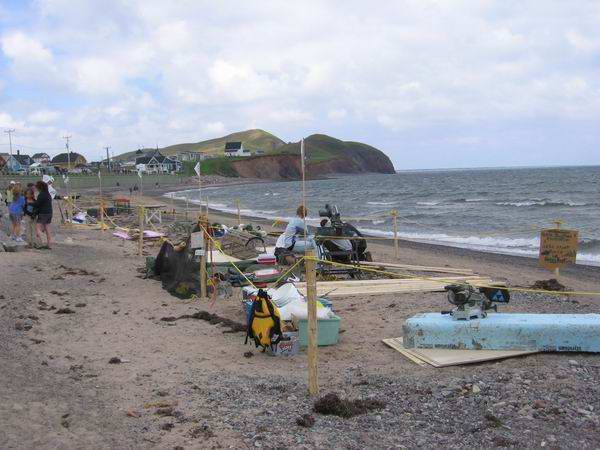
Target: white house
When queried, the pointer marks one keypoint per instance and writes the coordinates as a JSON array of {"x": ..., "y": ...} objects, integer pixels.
[
  {"x": 235, "y": 149},
  {"x": 42, "y": 158},
  {"x": 157, "y": 163}
]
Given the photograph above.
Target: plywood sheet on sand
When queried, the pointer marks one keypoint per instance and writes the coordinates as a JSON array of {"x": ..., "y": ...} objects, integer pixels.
[
  {"x": 416, "y": 268},
  {"x": 218, "y": 257},
  {"x": 443, "y": 358}
]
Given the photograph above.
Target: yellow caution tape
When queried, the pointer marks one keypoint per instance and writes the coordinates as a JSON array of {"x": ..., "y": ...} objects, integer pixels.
[{"x": 418, "y": 277}]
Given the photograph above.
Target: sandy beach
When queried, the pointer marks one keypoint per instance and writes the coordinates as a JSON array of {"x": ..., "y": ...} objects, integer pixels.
[{"x": 187, "y": 384}]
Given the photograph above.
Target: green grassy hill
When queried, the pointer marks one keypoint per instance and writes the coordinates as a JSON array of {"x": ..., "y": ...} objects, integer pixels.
[
  {"x": 325, "y": 155},
  {"x": 253, "y": 140},
  {"x": 321, "y": 148}
]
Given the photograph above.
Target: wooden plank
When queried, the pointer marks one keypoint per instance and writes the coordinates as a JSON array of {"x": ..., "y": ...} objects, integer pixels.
[
  {"x": 407, "y": 353},
  {"x": 445, "y": 358},
  {"x": 394, "y": 281},
  {"x": 417, "y": 268},
  {"x": 381, "y": 291},
  {"x": 218, "y": 257}
]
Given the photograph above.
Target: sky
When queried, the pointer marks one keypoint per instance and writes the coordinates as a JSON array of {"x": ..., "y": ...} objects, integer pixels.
[{"x": 432, "y": 83}]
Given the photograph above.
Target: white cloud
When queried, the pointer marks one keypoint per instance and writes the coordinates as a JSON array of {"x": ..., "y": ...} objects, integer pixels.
[
  {"x": 129, "y": 71},
  {"x": 583, "y": 43},
  {"x": 44, "y": 117},
  {"x": 24, "y": 49},
  {"x": 7, "y": 121},
  {"x": 97, "y": 76},
  {"x": 337, "y": 114},
  {"x": 214, "y": 128}
]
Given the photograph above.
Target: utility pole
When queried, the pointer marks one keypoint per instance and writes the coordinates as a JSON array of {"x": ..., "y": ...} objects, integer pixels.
[
  {"x": 9, "y": 132},
  {"x": 66, "y": 138},
  {"x": 107, "y": 158}
]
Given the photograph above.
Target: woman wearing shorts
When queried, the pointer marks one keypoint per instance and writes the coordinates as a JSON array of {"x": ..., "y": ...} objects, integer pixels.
[
  {"x": 15, "y": 212},
  {"x": 43, "y": 209}
]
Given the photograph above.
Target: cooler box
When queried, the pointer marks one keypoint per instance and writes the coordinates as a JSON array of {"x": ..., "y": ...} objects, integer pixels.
[
  {"x": 327, "y": 331},
  {"x": 266, "y": 274},
  {"x": 266, "y": 259}
]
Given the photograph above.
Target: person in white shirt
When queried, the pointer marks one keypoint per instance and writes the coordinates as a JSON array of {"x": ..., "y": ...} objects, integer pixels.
[
  {"x": 293, "y": 238},
  {"x": 49, "y": 181}
]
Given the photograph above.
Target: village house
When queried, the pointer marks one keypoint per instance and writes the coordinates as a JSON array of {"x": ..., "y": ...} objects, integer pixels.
[
  {"x": 157, "y": 163},
  {"x": 235, "y": 149},
  {"x": 18, "y": 162},
  {"x": 64, "y": 161},
  {"x": 41, "y": 158}
]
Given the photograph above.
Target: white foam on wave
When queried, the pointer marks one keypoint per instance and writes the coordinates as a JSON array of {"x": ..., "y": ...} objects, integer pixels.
[
  {"x": 491, "y": 244},
  {"x": 381, "y": 203},
  {"x": 433, "y": 203},
  {"x": 504, "y": 245},
  {"x": 541, "y": 203}
]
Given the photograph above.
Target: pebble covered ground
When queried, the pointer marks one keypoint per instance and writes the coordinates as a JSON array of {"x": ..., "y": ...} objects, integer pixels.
[{"x": 86, "y": 362}]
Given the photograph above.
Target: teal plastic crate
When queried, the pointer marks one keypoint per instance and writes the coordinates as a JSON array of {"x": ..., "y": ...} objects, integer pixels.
[{"x": 328, "y": 331}]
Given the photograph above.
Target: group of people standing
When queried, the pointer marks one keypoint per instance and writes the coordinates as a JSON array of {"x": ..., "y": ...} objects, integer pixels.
[{"x": 32, "y": 205}]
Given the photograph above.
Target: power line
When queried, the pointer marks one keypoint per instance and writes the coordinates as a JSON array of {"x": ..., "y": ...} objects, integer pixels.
[
  {"x": 107, "y": 158},
  {"x": 33, "y": 147},
  {"x": 10, "y": 131},
  {"x": 66, "y": 138}
]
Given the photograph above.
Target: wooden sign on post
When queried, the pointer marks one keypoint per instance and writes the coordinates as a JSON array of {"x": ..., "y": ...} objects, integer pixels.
[{"x": 558, "y": 248}]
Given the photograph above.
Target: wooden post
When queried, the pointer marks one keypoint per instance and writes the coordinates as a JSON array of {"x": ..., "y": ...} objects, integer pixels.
[
  {"x": 558, "y": 223},
  {"x": 237, "y": 202},
  {"x": 311, "y": 294},
  {"x": 187, "y": 205},
  {"x": 101, "y": 213},
  {"x": 203, "y": 293},
  {"x": 395, "y": 225},
  {"x": 101, "y": 201},
  {"x": 141, "y": 238}
]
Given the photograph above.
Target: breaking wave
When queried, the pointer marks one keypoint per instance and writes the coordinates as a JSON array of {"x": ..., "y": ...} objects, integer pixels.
[{"x": 529, "y": 203}]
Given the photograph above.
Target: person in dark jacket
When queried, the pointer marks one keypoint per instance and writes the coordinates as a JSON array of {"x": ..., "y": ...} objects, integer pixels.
[
  {"x": 30, "y": 215},
  {"x": 43, "y": 210}
]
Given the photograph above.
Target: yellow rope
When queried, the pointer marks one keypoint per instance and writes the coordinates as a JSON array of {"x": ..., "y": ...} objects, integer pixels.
[
  {"x": 218, "y": 248},
  {"x": 289, "y": 270},
  {"x": 417, "y": 277}
]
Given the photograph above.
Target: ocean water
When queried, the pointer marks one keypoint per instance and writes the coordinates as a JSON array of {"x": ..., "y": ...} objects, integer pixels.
[{"x": 493, "y": 210}]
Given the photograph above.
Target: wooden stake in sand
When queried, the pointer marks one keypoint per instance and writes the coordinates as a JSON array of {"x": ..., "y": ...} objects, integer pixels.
[
  {"x": 101, "y": 209},
  {"x": 311, "y": 294},
  {"x": 395, "y": 223},
  {"x": 142, "y": 213},
  {"x": 558, "y": 223},
  {"x": 102, "y": 214},
  {"x": 197, "y": 169},
  {"x": 187, "y": 205},
  {"x": 239, "y": 214},
  {"x": 203, "y": 290}
]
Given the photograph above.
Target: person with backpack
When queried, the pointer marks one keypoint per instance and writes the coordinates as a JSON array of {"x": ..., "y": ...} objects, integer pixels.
[
  {"x": 42, "y": 208},
  {"x": 15, "y": 212}
]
